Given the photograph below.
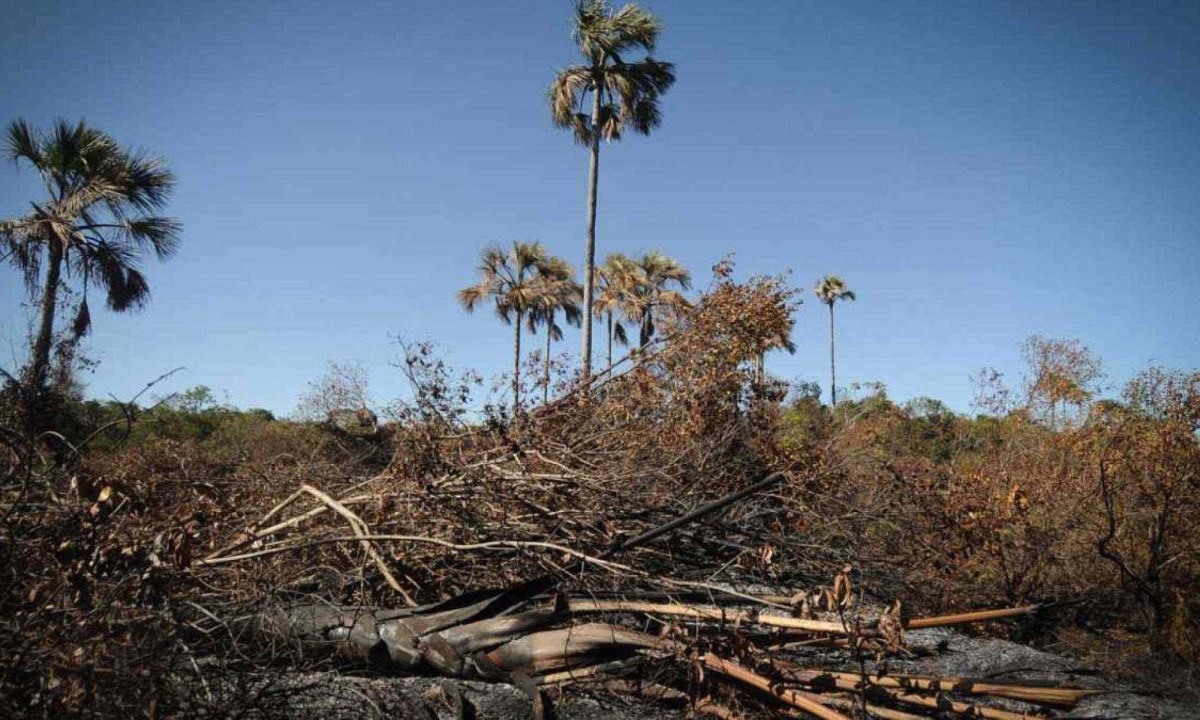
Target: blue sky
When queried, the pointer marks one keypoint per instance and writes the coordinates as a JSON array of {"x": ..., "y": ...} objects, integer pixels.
[{"x": 978, "y": 172}]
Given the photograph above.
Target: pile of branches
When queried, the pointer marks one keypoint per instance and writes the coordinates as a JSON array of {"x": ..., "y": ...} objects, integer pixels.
[{"x": 691, "y": 644}]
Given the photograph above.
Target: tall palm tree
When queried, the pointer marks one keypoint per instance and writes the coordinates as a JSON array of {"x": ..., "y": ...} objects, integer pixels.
[
  {"x": 617, "y": 279},
  {"x": 623, "y": 95},
  {"x": 508, "y": 278},
  {"x": 829, "y": 290},
  {"x": 556, "y": 290},
  {"x": 99, "y": 216},
  {"x": 651, "y": 296}
]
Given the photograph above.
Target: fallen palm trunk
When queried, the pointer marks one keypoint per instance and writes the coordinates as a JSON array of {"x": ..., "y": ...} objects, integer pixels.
[
  {"x": 599, "y": 672},
  {"x": 554, "y": 649},
  {"x": 453, "y": 644}
]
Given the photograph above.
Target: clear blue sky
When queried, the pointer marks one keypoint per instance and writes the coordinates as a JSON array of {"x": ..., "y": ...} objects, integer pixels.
[{"x": 977, "y": 172}]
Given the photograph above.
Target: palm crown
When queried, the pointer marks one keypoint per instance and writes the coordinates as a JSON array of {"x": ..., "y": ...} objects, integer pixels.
[
  {"x": 513, "y": 281},
  {"x": 626, "y": 93},
  {"x": 508, "y": 278},
  {"x": 618, "y": 281},
  {"x": 555, "y": 290},
  {"x": 832, "y": 288},
  {"x": 98, "y": 218},
  {"x": 651, "y": 295}
]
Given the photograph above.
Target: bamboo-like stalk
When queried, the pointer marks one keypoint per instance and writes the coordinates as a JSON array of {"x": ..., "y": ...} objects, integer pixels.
[
  {"x": 962, "y": 708},
  {"x": 970, "y": 617},
  {"x": 1057, "y": 696},
  {"x": 848, "y": 702},
  {"x": 792, "y": 697},
  {"x": 823, "y": 678}
]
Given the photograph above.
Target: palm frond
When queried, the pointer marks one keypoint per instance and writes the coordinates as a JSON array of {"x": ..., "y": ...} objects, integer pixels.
[
  {"x": 21, "y": 247},
  {"x": 147, "y": 182},
  {"x": 125, "y": 285},
  {"x": 632, "y": 27},
  {"x": 565, "y": 92},
  {"x": 83, "y": 320},
  {"x": 629, "y": 91},
  {"x": 21, "y": 143},
  {"x": 159, "y": 234},
  {"x": 470, "y": 297}
]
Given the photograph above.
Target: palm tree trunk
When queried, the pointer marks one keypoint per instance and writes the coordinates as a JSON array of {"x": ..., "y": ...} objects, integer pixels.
[
  {"x": 832, "y": 365},
  {"x": 644, "y": 333},
  {"x": 546, "y": 367},
  {"x": 610, "y": 340},
  {"x": 40, "y": 361},
  {"x": 516, "y": 366},
  {"x": 590, "y": 252}
]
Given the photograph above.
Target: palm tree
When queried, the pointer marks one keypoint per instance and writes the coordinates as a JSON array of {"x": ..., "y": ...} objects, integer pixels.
[
  {"x": 98, "y": 218},
  {"x": 556, "y": 290},
  {"x": 650, "y": 294},
  {"x": 623, "y": 95},
  {"x": 829, "y": 290},
  {"x": 509, "y": 278},
  {"x": 618, "y": 277}
]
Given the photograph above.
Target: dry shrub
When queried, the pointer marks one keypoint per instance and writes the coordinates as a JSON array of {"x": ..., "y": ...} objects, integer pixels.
[{"x": 1097, "y": 510}]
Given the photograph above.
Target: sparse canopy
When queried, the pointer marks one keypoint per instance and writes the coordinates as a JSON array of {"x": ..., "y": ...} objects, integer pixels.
[
  {"x": 652, "y": 297},
  {"x": 99, "y": 217}
]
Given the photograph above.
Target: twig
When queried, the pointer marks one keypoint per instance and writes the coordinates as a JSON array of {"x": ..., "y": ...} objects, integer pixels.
[{"x": 360, "y": 529}]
